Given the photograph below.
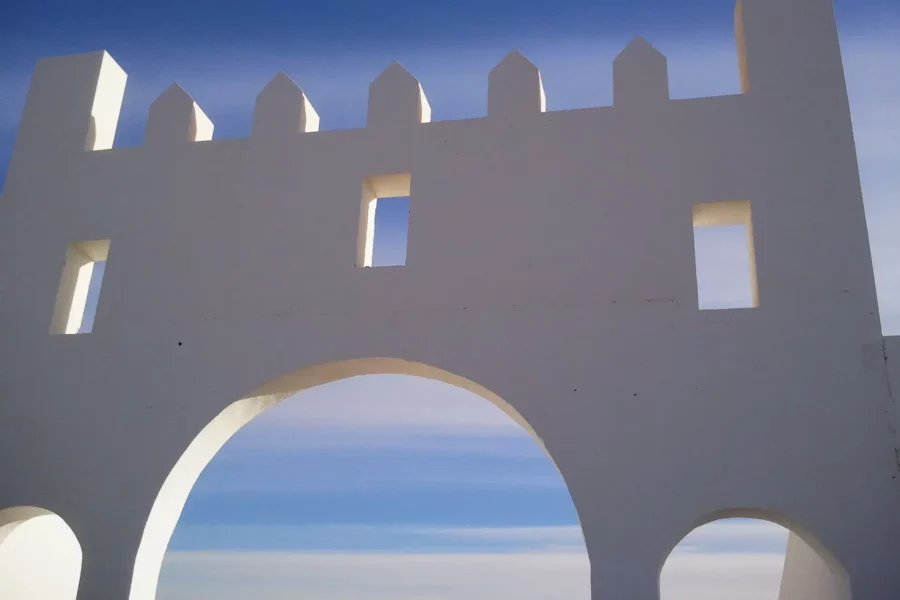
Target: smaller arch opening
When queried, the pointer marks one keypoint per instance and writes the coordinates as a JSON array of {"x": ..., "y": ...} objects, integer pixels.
[
  {"x": 40, "y": 557},
  {"x": 751, "y": 555}
]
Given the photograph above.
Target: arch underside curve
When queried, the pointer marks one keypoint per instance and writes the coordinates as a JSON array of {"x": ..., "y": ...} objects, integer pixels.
[
  {"x": 14, "y": 517},
  {"x": 176, "y": 488}
]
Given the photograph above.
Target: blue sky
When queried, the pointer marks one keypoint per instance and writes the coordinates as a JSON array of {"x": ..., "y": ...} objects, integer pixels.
[{"x": 392, "y": 487}]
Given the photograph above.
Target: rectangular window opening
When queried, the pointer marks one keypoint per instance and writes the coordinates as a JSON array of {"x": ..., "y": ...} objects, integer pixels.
[
  {"x": 384, "y": 221},
  {"x": 79, "y": 287},
  {"x": 725, "y": 256}
]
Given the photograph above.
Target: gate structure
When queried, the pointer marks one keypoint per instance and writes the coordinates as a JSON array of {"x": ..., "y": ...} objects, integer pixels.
[{"x": 550, "y": 269}]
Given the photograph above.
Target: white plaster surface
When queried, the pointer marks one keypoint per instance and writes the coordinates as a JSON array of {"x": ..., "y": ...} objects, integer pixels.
[
  {"x": 40, "y": 558},
  {"x": 550, "y": 269},
  {"x": 806, "y": 577}
]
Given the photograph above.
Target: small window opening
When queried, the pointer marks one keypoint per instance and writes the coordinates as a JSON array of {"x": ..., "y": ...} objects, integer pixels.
[
  {"x": 725, "y": 256},
  {"x": 79, "y": 287},
  {"x": 384, "y": 221}
]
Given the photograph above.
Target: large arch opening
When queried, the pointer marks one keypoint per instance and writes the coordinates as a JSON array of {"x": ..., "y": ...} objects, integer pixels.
[
  {"x": 566, "y": 541},
  {"x": 751, "y": 554},
  {"x": 40, "y": 557}
]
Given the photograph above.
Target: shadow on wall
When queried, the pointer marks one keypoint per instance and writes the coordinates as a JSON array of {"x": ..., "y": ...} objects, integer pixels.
[{"x": 40, "y": 557}]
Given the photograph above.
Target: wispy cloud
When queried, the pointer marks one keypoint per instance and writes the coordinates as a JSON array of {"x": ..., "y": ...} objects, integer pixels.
[
  {"x": 426, "y": 440},
  {"x": 317, "y": 471},
  {"x": 381, "y": 479},
  {"x": 722, "y": 537},
  {"x": 367, "y": 576},
  {"x": 537, "y": 563},
  {"x": 476, "y": 576},
  {"x": 377, "y": 407},
  {"x": 535, "y": 538},
  {"x": 392, "y": 539},
  {"x": 715, "y": 576},
  {"x": 743, "y": 535}
]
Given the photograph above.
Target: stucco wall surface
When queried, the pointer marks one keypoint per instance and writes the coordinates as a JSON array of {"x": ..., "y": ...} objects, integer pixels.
[{"x": 550, "y": 268}]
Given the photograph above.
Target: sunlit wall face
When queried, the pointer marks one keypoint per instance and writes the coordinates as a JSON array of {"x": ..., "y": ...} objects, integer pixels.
[
  {"x": 328, "y": 492},
  {"x": 40, "y": 557}
]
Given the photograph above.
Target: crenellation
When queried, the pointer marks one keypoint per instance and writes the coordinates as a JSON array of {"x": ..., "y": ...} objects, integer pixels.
[
  {"x": 508, "y": 177},
  {"x": 766, "y": 32}
]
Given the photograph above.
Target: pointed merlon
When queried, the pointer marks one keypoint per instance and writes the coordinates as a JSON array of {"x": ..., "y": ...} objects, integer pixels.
[
  {"x": 175, "y": 119},
  {"x": 73, "y": 103},
  {"x": 282, "y": 109},
  {"x": 397, "y": 100},
  {"x": 640, "y": 75},
  {"x": 515, "y": 89}
]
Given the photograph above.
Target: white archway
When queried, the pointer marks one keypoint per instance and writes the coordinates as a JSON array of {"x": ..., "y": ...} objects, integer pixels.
[
  {"x": 810, "y": 570},
  {"x": 175, "y": 490},
  {"x": 40, "y": 557}
]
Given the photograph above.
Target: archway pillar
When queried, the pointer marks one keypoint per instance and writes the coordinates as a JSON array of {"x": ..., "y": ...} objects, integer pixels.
[
  {"x": 623, "y": 576},
  {"x": 109, "y": 550},
  {"x": 872, "y": 567},
  {"x": 623, "y": 554},
  {"x": 625, "y": 538}
]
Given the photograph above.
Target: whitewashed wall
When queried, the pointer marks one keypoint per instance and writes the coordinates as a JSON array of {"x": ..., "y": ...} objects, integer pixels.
[{"x": 550, "y": 269}]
